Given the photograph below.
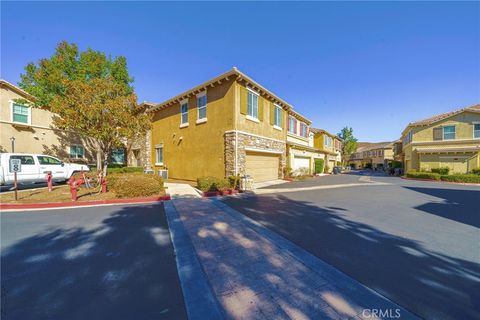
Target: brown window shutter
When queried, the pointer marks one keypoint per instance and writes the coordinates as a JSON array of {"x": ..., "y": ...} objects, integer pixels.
[
  {"x": 260, "y": 108},
  {"x": 437, "y": 134},
  {"x": 272, "y": 114},
  {"x": 243, "y": 100}
]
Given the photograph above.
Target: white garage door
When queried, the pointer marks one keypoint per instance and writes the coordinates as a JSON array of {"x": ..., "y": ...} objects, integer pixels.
[
  {"x": 262, "y": 166},
  {"x": 299, "y": 162}
]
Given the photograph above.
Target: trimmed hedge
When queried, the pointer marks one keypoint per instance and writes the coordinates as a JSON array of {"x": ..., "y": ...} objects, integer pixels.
[
  {"x": 135, "y": 185},
  {"x": 423, "y": 175},
  {"x": 207, "y": 184},
  {"x": 476, "y": 171},
  {"x": 319, "y": 165},
  {"x": 465, "y": 178},
  {"x": 442, "y": 171},
  {"x": 119, "y": 169}
]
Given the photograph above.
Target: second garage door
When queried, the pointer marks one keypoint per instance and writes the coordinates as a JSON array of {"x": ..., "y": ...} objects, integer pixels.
[{"x": 262, "y": 166}]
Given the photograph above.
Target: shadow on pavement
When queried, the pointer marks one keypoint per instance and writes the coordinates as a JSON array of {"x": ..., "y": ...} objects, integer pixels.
[
  {"x": 123, "y": 269},
  {"x": 457, "y": 205},
  {"x": 427, "y": 283}
]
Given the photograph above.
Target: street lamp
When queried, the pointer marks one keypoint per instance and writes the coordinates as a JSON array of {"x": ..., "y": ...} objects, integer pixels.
[{"x": 13, "y": 143}]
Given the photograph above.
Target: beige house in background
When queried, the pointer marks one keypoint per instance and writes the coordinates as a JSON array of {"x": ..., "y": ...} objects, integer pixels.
[
  {"x": 33, "y": 132},
  {"x": 376, "y": 155},
  {"x": 32, "y": 129}
]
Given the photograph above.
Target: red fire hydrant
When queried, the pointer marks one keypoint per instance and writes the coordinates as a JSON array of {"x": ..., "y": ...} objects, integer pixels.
[
  {"x": 73, "y": 188},
  {"x": 49, "y": 181}
]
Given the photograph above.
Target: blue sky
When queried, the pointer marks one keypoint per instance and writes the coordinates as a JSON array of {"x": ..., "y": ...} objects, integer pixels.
[{"x": 374, "y": 66}]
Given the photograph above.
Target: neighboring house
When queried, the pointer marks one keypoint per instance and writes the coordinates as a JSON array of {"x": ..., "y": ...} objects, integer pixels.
[
  {"x": 138, "y": 149},
  {"x": 330, "y": 145},
  {"x": 449, "y": 139},
  {"x": 32, "y": 129},
  {"x": 226, "y": 126},
  {"x": 398, "y": 151},
  {"x": 301, "y": 152},
  {"x": 373, "y": 155}
]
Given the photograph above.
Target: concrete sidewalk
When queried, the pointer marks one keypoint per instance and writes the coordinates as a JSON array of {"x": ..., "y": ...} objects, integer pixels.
[
  {"x": 181, "y": 190},
  {"x": 244, "y": 271}
]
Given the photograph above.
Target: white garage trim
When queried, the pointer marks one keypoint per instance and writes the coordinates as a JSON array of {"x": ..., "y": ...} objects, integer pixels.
[{"x": 263, "y": 150}]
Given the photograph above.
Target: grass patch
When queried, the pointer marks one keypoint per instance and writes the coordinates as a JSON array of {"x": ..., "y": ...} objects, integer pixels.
[{"x": 120, "y": 185}]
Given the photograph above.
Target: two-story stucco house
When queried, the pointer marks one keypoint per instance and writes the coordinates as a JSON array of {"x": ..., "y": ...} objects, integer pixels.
[
  {"x": 31, "y": 130},
  {"x": 301, "y": 151},
  {"x": 226, "y": 126},
  {"x": 449, "y": 139},
  {"x": 330, "y": 145}
]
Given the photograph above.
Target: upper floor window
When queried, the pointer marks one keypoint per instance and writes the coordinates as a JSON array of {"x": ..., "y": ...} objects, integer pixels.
[
  {"x": 328, "y": 141},
  {"x": 448, "y": 132},
  {"x": 184, "y": 112},
  {"x": 476, "y": 130},
  {"x": 202, "y": 106},
  {"x": 252, "y": 109},
  {"x": 292, "y": 125},
  {"x": 77, "y": 152},
  {"x": 303, "y": 130},
  {"x": 277, "y": 116},
  {"x": 20, "y": 113},
  {"x": 159, "y": 154},
  {"x": 408, "y": 138}
]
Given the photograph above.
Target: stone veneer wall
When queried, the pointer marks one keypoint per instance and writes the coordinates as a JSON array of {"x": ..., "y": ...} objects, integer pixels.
[
  {"x": 249, "y": 141},
  {"x": 144, "y": 144}
]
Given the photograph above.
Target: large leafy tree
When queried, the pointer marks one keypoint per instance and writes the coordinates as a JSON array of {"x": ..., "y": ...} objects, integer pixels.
[
  {"x": 349, "y": 144},
  {"x": 91, "y": 94}
]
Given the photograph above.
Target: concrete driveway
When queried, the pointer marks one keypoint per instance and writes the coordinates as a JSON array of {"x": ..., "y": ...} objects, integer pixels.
[
  {"x": 416, "y": 243},
  {"x": 112, "y": 262}
]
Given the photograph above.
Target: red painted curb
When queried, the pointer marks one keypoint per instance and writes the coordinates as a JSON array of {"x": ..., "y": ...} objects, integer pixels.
[
  {"x": 441, "y": 181},
  {"x": 7, "y": 206}
]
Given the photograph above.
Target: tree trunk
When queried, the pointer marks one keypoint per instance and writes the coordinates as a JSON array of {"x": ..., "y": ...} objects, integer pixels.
[{"x": 99, "y": 156}]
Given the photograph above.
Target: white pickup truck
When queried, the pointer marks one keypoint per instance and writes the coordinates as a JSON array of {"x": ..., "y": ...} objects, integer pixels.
[{"x": 34, "y": 168}]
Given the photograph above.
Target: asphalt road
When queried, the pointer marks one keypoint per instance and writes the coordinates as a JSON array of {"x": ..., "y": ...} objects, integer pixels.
[
  {"x": 113, "y": 262},
  {"x": 416, "y": 243}
]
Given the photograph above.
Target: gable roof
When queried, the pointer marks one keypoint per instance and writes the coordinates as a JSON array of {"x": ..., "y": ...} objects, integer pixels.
[
  {"x": 318, "y": 130},
  {"x": 442, "y": 116},
  {"x": 16, "y": 89},
  {"x": 232, "y": 73},
  {"x": 366, "y": 146}
]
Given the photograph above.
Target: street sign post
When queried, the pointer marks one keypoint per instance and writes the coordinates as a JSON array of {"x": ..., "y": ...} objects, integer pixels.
[{"x": 15, "y": 166}]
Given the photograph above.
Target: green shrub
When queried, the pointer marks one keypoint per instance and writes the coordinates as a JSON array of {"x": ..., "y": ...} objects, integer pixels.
[
  {"x": 395, "y": 164},
  {"x": 465, "y": 178},
  {"x": 287, "y": 171},
  {"x": 212, "y": 184},
  {"x": 319, "y": 165},
  {"x": 234, "y": 181},
  {"x": 326, "y": 169},
  {"x": 124, "y": 170},
  {"x": 423, "y": 175},
  {"x": 135, "y": 185},
  {"x": 442, "y": 171},
  {"x": 475, "y": 171}
]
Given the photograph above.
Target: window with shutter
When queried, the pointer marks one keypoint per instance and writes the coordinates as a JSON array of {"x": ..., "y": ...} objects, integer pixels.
[{"x": 437, "y": 134}]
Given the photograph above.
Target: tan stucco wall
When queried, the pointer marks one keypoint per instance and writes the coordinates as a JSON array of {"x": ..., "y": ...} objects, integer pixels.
[
  {"x": 37, "y": 137},
  {"x": 263, "y": 127},
  {"x": 196, "y": 150}
]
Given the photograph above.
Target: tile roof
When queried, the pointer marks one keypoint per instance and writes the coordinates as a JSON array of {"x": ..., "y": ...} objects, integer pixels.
[
  {"x": 366, "y": 146},
  {"x": 439, "y": 117}
]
